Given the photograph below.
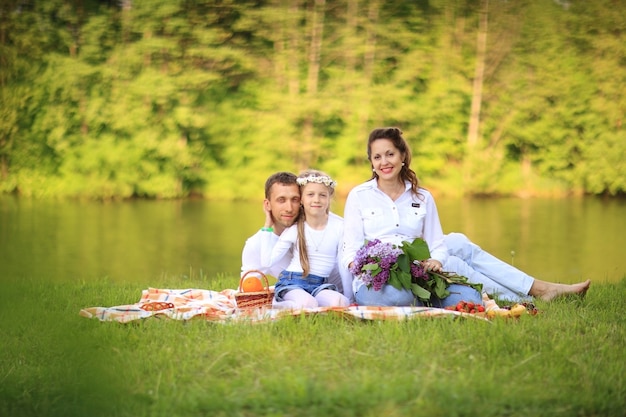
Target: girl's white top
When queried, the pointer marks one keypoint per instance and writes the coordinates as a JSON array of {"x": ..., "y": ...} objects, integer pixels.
[
  {"x": 371, "y": 214},
  {"x": 323, "y": 247}
]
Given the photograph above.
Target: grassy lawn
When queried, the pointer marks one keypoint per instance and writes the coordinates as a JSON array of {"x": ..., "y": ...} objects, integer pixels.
[{"x": 567, "y": 361}]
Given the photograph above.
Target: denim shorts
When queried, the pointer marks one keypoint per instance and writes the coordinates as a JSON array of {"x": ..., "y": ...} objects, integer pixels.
[{"x": 312, "y": 284}]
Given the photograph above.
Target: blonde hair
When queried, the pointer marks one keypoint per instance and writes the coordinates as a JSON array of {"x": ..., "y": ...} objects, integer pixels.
[{"x": 307, "y": 177}]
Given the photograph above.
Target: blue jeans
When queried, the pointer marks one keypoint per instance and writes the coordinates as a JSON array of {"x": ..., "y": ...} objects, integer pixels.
[
  {"x": 312, "y": 284},
  {"x": 391, "y": 296},
  {"x": 458, "y": 293},
  {"x": 387, "y": 296},
  {"x": 480, "y": 267}
]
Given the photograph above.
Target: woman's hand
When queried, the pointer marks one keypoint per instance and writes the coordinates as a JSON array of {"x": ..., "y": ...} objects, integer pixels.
[{"x": 432, "y": 265}]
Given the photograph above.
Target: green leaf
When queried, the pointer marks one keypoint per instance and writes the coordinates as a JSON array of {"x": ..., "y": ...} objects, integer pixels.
[
  {"x": 420, "y": 292},
  {"x": 459, "y": 279},
  {"x": 394, "y": 281},
  {"x": 405, "y": 279},
  {"x": 404, "y": 263},
  {"x": 441, "y": 289},
  {"x": 369, "y": 267},
  {"x": 416, "y": 250}
]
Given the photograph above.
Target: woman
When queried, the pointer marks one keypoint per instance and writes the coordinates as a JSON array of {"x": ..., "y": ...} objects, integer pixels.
[
  {"x": 313, "y": 241},
  {"x": 392, "y": 207}
]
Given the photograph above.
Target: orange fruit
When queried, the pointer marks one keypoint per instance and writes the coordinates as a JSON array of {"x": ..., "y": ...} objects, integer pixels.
[{"x": 251, "y": 284}]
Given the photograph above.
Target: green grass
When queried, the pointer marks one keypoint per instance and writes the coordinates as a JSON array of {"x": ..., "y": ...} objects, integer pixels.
[{"x": 567, "y": 361}]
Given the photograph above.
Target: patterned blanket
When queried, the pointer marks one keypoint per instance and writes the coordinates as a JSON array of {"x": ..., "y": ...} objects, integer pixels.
[{"x": 221, "y": 307}]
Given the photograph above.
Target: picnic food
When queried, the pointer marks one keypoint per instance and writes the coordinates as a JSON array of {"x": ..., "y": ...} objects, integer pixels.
[
  {"x": 251, "y": 284},
  {"x": 491, "y": 309},
  {"x": 252, "y": 293},
  {"x": 467, "y": 307},
  {"x": 515, "y": 310}
]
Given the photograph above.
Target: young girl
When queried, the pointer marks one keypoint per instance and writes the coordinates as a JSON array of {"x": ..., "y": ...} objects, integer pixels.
[{"x": 314, "y": 242}]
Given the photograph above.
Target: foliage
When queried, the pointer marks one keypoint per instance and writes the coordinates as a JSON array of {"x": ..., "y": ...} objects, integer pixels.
[{"x": 164, "y": 99}]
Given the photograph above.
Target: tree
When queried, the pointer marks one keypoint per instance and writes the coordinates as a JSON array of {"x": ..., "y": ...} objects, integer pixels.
[{"x": 163, "y": 99}]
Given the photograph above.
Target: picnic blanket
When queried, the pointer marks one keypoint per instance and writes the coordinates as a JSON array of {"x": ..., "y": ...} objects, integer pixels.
[{"x": 221, "y": 307}]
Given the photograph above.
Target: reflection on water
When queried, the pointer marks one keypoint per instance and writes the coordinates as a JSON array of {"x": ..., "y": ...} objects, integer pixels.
[
  {"x": 565, "y": 240},
  {"x": 558, "y": 240}
]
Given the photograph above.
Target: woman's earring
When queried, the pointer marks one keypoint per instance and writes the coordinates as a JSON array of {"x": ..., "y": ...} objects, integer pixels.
[
  {"x": 403, "y": 164},
  {"x": 373, "y": 169}
]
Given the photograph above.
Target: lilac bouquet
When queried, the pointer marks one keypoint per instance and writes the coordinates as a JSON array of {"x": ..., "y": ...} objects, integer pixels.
[
  {"x": 377, "y": 263},
  {"x": 374, "y": 263}
]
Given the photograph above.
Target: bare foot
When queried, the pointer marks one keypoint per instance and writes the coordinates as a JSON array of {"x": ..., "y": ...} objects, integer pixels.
[{"x": 548, "y": 291}]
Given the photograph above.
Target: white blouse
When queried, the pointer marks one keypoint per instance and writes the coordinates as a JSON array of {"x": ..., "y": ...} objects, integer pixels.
[{"x": 371, "y": 214}]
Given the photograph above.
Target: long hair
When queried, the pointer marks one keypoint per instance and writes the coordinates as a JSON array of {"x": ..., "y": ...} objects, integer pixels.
[
  {"x": 303, "y": 179},
  {"x": 395, "y": 136}
]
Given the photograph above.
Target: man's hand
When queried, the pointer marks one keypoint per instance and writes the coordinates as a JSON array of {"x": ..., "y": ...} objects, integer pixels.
[{"x": 269, "y": 220}]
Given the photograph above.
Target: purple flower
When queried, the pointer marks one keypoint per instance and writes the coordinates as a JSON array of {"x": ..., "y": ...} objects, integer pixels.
[
  {"x": 374, "y": 261},
  {"x": 417, "y": 271}
]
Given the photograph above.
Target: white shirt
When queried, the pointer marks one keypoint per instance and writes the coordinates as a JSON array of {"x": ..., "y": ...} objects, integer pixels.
[
  {"x": 251, "y": 256},
  {"x": 371, "y": 214},
  {"x": 323, "y": 247}
]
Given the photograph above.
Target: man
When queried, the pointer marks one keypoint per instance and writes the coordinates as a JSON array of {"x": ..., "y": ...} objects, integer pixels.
[{"x": 282, "y": 205}]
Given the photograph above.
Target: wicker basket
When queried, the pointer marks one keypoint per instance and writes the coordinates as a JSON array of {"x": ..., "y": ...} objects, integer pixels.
[{"x": 254, "y": 299}]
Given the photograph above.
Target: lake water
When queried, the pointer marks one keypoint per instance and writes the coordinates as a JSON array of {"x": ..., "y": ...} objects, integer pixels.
[{"x": 565, "y": 240}]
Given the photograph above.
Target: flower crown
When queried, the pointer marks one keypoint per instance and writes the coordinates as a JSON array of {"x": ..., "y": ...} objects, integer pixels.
[{"x": 327, "y": 181}]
